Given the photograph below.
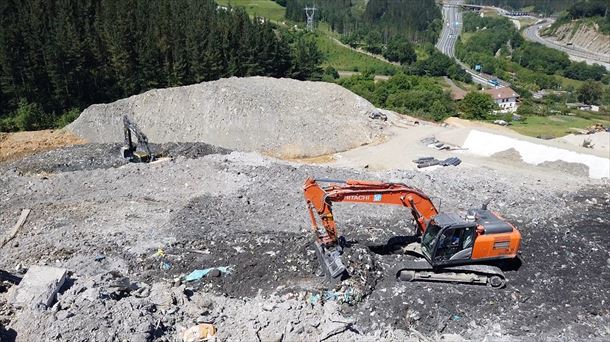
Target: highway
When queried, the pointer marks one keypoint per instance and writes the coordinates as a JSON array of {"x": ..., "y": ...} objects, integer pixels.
[
  {"x": 532, "y": 33},
  {"x": 452, "y": 26}
]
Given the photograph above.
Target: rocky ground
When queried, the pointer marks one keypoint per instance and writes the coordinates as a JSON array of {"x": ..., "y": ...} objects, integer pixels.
[{"x": 128, "y": 233}]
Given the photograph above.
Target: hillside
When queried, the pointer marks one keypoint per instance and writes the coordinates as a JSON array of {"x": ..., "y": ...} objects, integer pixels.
[{"x": 582, "y": 33}]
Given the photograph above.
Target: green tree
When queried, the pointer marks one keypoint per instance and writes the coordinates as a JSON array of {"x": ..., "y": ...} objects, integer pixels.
[
  {"x": 30, "y": 116},
  {"x": 331, "y": 73},
  {"x": 306, "y": 58},
  {"x": 590, "y": 92},
  {"x": 399, "y": 49},
  {"x": 477, "y": 106}
]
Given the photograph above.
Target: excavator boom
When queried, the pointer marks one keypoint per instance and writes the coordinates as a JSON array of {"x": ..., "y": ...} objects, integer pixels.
[{"x": 319, "y": 201}]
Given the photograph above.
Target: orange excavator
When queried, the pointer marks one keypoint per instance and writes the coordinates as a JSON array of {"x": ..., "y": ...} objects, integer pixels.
[{"x": 450, "y": 248}]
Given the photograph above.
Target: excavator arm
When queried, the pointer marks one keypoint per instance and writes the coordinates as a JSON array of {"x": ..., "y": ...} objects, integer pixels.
[
  {"x": 130, "y": 148},
  {"x": 320, "y": 199}
]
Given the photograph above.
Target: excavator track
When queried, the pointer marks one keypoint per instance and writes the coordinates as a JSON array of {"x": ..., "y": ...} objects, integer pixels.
[{"x": 421, "y": 270}]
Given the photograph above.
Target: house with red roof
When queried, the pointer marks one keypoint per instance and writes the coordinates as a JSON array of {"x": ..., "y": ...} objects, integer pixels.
[{"x": 506, "y": 98}]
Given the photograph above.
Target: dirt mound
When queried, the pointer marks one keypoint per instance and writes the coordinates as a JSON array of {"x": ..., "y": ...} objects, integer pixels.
[
  {"x": 279, "y": 117},
  {"x": 17, "y": 145}
]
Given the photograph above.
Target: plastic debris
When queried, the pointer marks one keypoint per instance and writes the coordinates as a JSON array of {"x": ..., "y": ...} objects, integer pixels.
[
  {"x": 198, "y": 333},
  {"x": 160, "y": 253},
  {"x": 198, "y": 274},
  {"x": 313, "y": 298},
  {"x": 432, "y": 142},
  {"x": 431, "y": 161},
  {"x": 348, "y": 296},
  {"x": 166, "y": 265}
]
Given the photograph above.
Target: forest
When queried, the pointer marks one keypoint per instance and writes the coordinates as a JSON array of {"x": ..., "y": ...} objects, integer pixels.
[
  {"x": 59, "y": 56},
  {"x": 418, "y": 21},
  {"x": 596, "y": 10}
]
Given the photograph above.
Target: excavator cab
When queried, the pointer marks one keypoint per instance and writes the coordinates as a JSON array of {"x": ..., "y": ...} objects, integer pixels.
[{"x": 448, "y": 240}]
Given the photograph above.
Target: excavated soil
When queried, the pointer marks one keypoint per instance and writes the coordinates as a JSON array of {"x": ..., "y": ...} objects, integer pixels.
[
  {"x": 241, "y": 210},
  {"x": 17, "y": 145},
  {"x": 280, "y": 117}
]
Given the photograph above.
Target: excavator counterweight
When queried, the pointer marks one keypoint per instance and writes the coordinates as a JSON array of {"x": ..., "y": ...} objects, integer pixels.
[{"x": 452, "y": 248}]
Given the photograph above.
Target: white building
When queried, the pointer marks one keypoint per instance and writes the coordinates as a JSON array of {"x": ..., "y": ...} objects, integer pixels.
[{"x": 505, "y": 97}]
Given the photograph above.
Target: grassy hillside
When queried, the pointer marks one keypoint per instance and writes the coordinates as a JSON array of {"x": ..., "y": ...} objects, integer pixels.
[
  {"x": 343, "y": 58},
  {"x": 555, "y": 126},
  {"x": 264, "y": 8}
]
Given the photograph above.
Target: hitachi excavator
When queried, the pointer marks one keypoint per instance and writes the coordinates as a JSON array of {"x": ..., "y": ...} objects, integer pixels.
[{"x": 450, "y": 248}]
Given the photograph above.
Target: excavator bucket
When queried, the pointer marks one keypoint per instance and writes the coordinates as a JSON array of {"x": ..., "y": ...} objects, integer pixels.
[{"x": 330, "y": 262}]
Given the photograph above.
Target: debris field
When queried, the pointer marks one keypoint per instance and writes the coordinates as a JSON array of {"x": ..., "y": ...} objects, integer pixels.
[
  {"x": 213, "y": 237},
  {"x": 149, "y": 225}
]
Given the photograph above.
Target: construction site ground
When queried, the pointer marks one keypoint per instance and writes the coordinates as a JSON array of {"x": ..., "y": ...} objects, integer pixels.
[{"x": 146, "y": 226}]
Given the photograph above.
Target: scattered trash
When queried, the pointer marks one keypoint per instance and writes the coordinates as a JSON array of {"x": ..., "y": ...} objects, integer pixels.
[
  {"x": 160, "y": 253},
  {"x": 99, "y": 257},
  {"x": 456, "y": 318},
  {"x": 198, "y": 274},
  {"x": 586, "y": 143},
  {"x": 313, "y": 298},
  {"x": 200, "y": 332},
  {"x": 378, "y": 115},
  {"x": 431, "y": 161},
  {"x": 166, "y": 265},
  {"x": 501, "y": 122},
  {"x": 432, "y": 142},
  {"x": 348, "y": 296}
]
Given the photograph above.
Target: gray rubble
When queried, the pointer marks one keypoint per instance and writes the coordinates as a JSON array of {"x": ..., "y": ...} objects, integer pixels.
[
  {"x": 129, "y": 234},
  {"x": 280, "y": 117},
  {"x": 38, "y": 288}
]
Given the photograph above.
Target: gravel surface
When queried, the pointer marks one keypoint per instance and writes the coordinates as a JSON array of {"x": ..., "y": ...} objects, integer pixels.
[
  {"x": 247, "y": 211},
  {"x": 280, "y": 117},
  {"x": 102, "y": 156}
]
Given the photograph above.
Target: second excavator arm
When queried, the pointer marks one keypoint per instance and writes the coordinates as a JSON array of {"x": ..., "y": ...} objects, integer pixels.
[{"x": 319, "y": 202}]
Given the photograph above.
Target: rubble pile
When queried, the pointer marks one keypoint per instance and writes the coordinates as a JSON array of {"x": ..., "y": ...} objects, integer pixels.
[{"x": 280, "y": 117}]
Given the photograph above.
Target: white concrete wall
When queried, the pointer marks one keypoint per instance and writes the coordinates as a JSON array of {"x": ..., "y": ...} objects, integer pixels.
[{"x": 487, "y": 144}]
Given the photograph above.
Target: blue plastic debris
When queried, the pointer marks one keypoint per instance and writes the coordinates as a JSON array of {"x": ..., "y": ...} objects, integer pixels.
[
  {"x": 166, "y": 265},
  {"x": 313, "y": 298},
  {"x": 198, "y": 274}
]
